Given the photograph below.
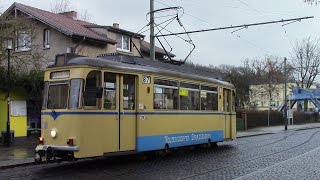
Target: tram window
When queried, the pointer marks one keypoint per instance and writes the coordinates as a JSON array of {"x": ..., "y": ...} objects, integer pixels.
[
  {"x": 128, "y": 92},
  {"x": 209, "y": 98},
  {"x": 189, "y": 96},
  {"x": 93, "y": 81},
  {"x": 45, "y": 95},
  {"x": 215, "y": 102},
  {"x": 227, "y": 104},
  {"x": 234, "y": 106},
  {"x": 75, "y": 90},
  {"x": 110, "y": 81},
  {"x": 165, "y": 94},
  {"x": 58, "y": 96}
]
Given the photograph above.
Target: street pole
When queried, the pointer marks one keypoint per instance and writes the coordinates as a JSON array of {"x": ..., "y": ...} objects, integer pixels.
[
  {"x": 8, "y": 133},
  {"x": 152, "y": 38},
  {"x": 269, "y": 112},
  {"x": 285, "y": 95}
]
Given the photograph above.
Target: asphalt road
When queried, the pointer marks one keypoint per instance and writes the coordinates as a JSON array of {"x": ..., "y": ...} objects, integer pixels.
[{"x": 288, "y": 155}]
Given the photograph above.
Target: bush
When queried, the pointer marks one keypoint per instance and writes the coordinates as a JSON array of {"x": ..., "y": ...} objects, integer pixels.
[{"x": 31, "y": 82}]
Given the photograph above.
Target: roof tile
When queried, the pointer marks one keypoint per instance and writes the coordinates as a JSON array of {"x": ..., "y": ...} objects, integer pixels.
[{"x": 63, "y": 23}]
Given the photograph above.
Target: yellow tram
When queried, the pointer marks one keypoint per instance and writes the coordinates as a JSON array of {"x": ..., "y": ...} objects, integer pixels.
[{"x": 123, "y": 104}]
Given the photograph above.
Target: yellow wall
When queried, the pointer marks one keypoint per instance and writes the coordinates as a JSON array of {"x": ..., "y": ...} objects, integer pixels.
[
  {"x": 17, "y": 123},
  {"x": 259, "y": 95},
  {"x": 3, "y": 111}
]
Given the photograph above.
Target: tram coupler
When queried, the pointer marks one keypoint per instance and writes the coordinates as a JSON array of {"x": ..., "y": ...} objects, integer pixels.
[{"x": 44, "y": 155}]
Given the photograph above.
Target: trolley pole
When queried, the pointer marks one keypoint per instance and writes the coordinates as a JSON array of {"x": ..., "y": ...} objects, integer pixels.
[
  {"x": 285, "y": 95},
  {"x": 152, "y": 38}
]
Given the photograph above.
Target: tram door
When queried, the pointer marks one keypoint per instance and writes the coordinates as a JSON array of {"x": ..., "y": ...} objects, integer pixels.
[
  {"x": 119, "y": 98},
  {"x": 127, "y": 113},
  {"x": 227, "y": 112}
]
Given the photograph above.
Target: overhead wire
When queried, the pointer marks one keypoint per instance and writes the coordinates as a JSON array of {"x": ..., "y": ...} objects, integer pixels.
[
  {"x": 282, "y": 26},
  {"x": 246, "y": 41}
]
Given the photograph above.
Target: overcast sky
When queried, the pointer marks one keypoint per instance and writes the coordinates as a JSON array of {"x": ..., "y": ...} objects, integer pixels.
[{"x": 217, "y": 47}]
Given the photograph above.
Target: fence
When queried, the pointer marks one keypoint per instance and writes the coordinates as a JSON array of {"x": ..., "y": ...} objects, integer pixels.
[{"x": 260, "y": 118}]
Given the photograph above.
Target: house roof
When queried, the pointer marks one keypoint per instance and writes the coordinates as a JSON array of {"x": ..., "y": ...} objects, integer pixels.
[
  {"x": 123, "y": 31},
  {"x": 78, "y": 28},
  {"x": 62, "y": 23},
  {"x": 145, "y": 47}
]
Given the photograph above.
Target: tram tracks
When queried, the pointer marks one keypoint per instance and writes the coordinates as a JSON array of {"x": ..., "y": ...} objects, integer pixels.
[
  {"x": 141, "y": 168},
  {"x": 266, "y": 155},
  {"x": 197, "y": 159}
]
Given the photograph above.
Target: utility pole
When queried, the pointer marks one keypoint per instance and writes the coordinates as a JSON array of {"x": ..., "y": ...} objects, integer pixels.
[
  {"x": 285, "y": 95},
  {"x": 152, "y": 43}
]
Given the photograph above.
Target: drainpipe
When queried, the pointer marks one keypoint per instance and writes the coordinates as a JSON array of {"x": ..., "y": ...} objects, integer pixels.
[{"x": 75, "y": 47}]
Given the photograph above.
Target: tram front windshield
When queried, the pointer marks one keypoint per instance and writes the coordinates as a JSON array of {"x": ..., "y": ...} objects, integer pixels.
[{"x": 62, "y": 94}]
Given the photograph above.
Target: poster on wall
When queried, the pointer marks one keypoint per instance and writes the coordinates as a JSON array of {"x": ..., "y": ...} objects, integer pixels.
[{"x": 18, "y": 108}]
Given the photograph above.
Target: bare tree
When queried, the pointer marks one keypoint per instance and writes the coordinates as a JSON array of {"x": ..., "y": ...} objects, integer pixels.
[
  {"x": 306, "y": 62},
  {"x": 28, "y": 51},
  {"x": 27, "y": 58},
  {"x": 240, "y": 78},
  {"x": 61, "y": 6},
  {"x": 312, "y": 2},
  {"x": 268, "y": 75}
]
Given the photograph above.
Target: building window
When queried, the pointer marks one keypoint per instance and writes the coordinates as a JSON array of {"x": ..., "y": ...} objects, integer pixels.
[
  {"x": 23, "y": 41},
  {"x": 46, "y": 38},
  {"x": 123, "y": 43}
]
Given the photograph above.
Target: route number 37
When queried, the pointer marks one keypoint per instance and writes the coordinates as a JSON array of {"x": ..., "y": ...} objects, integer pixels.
[{"x": 146, "y": 80}]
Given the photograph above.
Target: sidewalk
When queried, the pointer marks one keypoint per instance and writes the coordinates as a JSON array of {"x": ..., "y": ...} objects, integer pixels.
[
  {"x": 275, "y": 129},
  {"x": 22, "y": 151}
]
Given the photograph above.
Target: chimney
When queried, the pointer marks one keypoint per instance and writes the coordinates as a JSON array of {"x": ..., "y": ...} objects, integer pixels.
[
  {"x": 115, "y": 25},
  {"x": 70, "y": 14}
]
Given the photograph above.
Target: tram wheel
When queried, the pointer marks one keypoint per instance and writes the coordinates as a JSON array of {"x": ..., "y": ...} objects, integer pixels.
[
  {"x": 209, "y": 143},
  {"x": 166, "y": 149}
]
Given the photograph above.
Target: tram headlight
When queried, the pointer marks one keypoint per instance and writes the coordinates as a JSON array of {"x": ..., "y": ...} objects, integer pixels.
[{"x": 53, "y": 133}]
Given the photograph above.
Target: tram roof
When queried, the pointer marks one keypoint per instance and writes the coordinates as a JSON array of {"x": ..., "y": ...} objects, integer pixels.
[{"x": 138, "y": 64}]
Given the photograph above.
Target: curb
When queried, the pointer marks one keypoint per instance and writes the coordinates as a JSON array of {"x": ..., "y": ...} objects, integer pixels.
[
  {"x": 16, "y": 163},
  {"x": 278, "y": 131},
  {"x": 257, "y": 134}
]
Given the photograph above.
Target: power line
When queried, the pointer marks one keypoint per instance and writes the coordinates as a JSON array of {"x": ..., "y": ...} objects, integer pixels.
[
  {"x": 282, "y": 26},
  {"x": 238, "y": 26},
  {"x": 239, "y": 38},
  {"x": 187, "y": 14}
]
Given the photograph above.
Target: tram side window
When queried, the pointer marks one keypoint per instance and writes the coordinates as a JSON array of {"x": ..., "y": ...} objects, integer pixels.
[
  {"x": 165, "y": 95},
  {"x": 209, "y": 98},
  {"x": 189, "y": 96},
  {"x": 93, "y": 81},
  {"x": 129, "y": 92},
  {"x": 110, "y": 80},
  {"x": 58, "y": 95},
  {"x": 75, "y": 93},
  {"x": 234, "y": 106},
  {"x": 45, "y": 95},
  {"x": 227, "y": 99}
]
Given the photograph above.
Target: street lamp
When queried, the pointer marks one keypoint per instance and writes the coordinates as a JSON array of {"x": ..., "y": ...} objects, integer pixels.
[
  {"x": 285, "y": 95},
  {"x": 8, "y": 45}
]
